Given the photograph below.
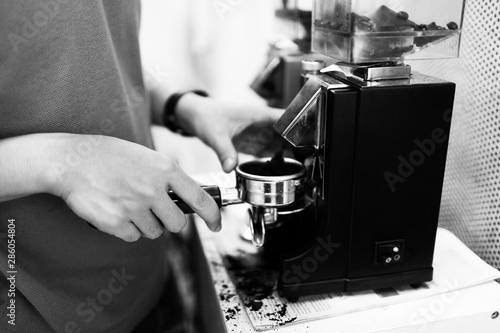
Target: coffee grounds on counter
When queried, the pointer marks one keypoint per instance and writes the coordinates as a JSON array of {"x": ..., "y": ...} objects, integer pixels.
[
  {"x": 256, "y": 280},
  {"x": 231, "y": 313},
  {"x": 254, "y": 305}
]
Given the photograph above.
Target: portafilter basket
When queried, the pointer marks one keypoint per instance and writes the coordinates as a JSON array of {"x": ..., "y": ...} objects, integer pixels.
[
  {"x": 264, "y": 189},
  {"x": 270, "y": 189}
]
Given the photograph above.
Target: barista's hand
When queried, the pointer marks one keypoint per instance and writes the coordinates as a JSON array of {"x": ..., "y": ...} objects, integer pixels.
[
  {"x": 121, "y": 188},
  {"x": 228, "y": 127}
]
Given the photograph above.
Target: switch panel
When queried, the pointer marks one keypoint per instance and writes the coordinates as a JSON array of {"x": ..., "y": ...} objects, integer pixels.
[{"x": 389, "y": 252}]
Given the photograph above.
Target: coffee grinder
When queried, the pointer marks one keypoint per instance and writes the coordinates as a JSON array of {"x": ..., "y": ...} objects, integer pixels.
[{"x": 373, "y": 135}]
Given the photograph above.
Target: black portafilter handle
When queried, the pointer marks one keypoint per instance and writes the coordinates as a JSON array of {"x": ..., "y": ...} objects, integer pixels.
[{"x": 213, "y": 190}]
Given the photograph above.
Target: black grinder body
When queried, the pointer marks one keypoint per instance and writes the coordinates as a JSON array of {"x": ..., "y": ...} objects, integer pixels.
[{"x": 376, "y": 210}]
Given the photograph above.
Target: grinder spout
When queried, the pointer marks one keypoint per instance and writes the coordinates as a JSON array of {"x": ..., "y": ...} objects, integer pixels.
[{"x": 301, "y": 121}]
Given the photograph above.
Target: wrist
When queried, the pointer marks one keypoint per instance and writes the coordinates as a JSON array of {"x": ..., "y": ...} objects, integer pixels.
[
  {"x": 60, "y": 157},
  {"x": 179, "y": 109}
]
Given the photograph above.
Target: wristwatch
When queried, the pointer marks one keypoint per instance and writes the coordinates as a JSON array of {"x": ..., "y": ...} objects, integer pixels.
[{"x": 169, "y": 116}]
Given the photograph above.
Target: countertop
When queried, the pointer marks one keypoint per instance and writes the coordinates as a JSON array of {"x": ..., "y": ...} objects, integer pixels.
[{"x": 470, "y": 309}]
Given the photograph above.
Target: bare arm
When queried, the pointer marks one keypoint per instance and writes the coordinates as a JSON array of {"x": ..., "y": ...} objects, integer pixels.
[
  {"x": 118, "y": 186},
  {"x": 158, "y": 91},
  {"x": 29, "y": 164}
]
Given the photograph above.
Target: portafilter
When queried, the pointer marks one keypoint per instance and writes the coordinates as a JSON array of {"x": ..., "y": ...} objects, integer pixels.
[{"x": 263, "y": 184}]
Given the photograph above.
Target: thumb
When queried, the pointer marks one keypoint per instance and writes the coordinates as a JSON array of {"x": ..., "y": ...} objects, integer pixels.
[{"x": 224, "y": 148}]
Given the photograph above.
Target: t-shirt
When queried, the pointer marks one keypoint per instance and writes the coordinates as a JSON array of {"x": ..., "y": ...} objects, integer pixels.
[{"x": 73, "y": 66}]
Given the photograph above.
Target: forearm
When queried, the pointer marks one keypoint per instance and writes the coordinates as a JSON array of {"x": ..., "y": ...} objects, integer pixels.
[
  {"x": 158, "y": 91},
  {"x": 31, "y": 164}
]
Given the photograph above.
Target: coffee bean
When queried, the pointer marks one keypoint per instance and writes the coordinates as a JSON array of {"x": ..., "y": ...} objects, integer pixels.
[{"x": 452, "y": 26}]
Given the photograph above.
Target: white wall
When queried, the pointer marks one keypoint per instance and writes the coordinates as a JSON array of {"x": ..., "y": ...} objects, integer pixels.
[{"x": 218, "y": 45}]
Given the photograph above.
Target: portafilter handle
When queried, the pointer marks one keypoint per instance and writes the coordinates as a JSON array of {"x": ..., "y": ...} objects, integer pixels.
[{"x": 222, "y": 196}]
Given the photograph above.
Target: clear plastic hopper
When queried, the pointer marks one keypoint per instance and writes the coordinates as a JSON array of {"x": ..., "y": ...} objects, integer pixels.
[
  {"x": 367, "y": 31},
  {"x": 371, "y": 39}
]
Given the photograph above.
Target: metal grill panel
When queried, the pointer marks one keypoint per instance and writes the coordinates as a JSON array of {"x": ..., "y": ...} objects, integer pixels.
[{"x": 471, "y": 194}]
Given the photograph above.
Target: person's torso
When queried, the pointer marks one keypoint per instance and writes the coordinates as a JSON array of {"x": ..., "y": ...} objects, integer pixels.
[{"x": 73, "y": 66}]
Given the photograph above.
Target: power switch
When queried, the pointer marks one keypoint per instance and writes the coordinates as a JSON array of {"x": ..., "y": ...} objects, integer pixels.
[{"x": 389, "y": 252}]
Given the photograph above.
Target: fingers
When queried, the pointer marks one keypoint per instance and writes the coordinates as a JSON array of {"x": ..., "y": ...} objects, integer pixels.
[
  {"x": 108, "y": 220},
  {"x": 194, "y": 196},
  {"x": 120, "y": 228},
  {"x": 149, "y": 225},
  {"x": 225, "y": 150},
  {"x": 172, "y": 218},
  {"x": 117, "y": 222},
  {"x": 128, "y": 232}
]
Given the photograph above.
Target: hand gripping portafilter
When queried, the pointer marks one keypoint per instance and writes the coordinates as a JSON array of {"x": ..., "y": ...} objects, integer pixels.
[{"x": 266, "y": 190}]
